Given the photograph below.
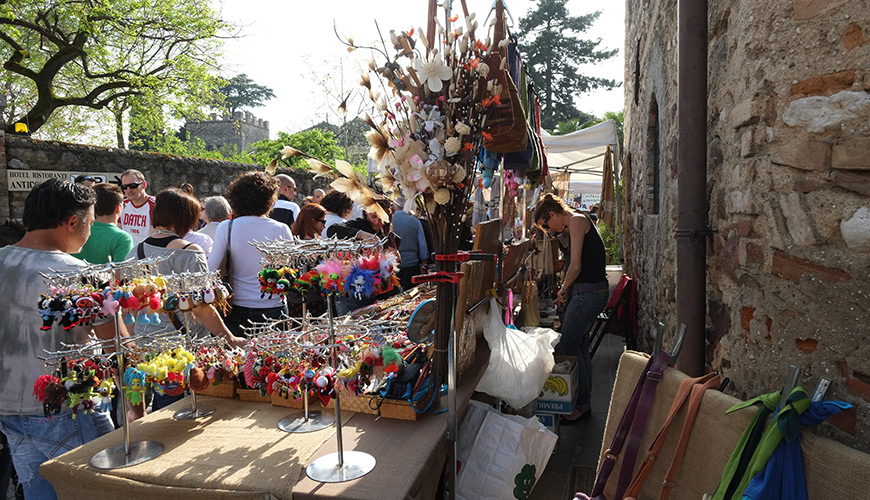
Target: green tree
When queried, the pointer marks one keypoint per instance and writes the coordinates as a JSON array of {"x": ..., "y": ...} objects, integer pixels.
[
  {"x": 318, "y": 143},
  {"x": 93, "y": 53},
  {"x": 549, "y": 39},
  {"x": 240, "y": 91}
]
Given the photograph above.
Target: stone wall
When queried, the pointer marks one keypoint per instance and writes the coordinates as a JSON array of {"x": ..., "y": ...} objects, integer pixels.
[
  {"x": 241, "y": 130},
  {"x": 208, "y": 177},
  {"x": 788, "y": 186}
]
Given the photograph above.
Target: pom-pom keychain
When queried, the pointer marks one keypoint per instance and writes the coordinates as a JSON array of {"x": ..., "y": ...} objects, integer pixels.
[
  {"x": 332, "y": 273},
  {"x": 360, "y": 282}
]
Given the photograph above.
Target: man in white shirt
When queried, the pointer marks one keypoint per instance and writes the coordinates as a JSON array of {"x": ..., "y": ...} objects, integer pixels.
[
  {"x": 136, "y": 216},
  {"x": 284, "y": 210}
]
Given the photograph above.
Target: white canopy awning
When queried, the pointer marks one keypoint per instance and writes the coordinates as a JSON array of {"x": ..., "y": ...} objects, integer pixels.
[{"x": 581, "y": 152}]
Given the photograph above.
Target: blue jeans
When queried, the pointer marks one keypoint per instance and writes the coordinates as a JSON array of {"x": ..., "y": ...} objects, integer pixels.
[
  {"x": 581, "y": 312},
  {"x": 34, "y": 439}
]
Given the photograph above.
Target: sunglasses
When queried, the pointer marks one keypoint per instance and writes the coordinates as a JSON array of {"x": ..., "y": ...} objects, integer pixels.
[
  {"x": 132, "y": 185},
  {"x": 322, "y": 221}
]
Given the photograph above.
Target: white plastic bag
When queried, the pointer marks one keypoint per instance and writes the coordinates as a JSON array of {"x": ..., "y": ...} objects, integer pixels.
[
  {"x": 519, "y": 362},
  {"x": 507, "y": 454}
]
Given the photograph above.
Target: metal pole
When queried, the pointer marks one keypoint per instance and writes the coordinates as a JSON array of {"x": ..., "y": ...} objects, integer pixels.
[
  {"x": 120, "y": 355},
  {"x": 692, "y": 183},
  {"x": 330, "y": 304}
]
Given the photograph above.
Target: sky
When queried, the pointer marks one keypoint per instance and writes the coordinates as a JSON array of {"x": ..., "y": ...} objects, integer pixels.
[{"x": 290, "y": 46}]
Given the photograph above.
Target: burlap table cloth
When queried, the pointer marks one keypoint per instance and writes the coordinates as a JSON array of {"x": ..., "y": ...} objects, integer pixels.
[
  {"x": 832, "y": 469},
  {"x": 239, "y": 453}
]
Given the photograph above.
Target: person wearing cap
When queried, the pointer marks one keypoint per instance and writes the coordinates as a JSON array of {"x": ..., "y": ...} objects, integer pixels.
[
  {"x": 412, "y": 246},
  {"x": 107, "y": 239},
  {"x": 85, "y": 180}
]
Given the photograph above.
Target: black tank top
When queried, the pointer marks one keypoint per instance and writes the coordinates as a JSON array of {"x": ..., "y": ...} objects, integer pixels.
[{"x": 592, "y": 258}]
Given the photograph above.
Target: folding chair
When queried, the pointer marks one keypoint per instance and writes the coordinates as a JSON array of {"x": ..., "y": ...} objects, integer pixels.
[{"x": 619, "y": 316}]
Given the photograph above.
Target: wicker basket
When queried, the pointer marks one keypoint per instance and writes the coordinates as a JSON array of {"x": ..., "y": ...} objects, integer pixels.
[
  {"x": 278, "y": 400},
  {"x": 389, "y": 408},
  {"x": 253, "y": 395},
  {"x": 226, "y": 389}
]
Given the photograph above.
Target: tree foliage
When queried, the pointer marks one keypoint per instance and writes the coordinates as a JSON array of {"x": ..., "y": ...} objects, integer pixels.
[
  {"x": 93, "y": 53},
  {"x": 549, "y": 39},
  {"x": 240, "y": 91},
  {"x": 318, "y": 143}
]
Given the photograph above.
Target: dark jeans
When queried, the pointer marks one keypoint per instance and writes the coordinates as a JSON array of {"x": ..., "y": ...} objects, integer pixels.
[
  {"x": 581, "y": 312},
  {"x": 239, "y": 317},
  {"x": 405, "y": 275}
]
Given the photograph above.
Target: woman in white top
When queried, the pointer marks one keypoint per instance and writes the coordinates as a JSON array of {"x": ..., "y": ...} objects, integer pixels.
[{"x": 251, "y": 196}]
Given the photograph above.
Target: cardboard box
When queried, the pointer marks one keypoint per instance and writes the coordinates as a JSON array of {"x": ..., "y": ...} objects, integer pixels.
[
  {"x": 557, "y": 395},
  {"x": 551, "y": 422}
]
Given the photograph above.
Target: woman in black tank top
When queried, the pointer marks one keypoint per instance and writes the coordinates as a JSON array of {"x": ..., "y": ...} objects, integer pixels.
[{"x": 584, "y": 292}]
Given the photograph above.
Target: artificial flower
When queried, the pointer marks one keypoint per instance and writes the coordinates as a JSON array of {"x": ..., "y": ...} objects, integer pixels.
[
  {"x": 461, "y": 128},
  {"x": 318, "y": 167},
  {"x": 432, "y": 71},
  {"x": 287, "y": 151},
  {"x": 452, "y": 146},
  {"x": 442, "y": 196},
  {"x": 352, "y": 184},
  {"x": 483, "y": 69},
  {"x": 459, "y": 174}
]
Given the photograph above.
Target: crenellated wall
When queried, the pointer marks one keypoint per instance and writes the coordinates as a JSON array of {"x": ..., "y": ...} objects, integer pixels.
[{"x": 788, "y": 184}]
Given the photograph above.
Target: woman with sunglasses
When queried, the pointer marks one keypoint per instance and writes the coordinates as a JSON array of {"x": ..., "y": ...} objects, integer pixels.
[
  {"x": 310, "y": 222},
  {"x": 585, "y": 289},
  {"x": 308, "y": 226}
]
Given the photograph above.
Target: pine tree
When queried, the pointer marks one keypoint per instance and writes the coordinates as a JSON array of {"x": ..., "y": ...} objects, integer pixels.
[{"x": 553, "y": 50}]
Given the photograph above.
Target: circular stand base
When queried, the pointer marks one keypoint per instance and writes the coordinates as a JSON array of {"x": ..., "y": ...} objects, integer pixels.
[
  {"x": 190, "y": 413},
  {"x": 326, "y": 470},
  {"x": 116, "y": 458},
  {"x": 295, "y": 422}
]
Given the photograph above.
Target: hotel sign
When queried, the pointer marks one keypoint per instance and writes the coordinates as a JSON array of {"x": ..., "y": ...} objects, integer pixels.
[{"x": 25, "y": 180}]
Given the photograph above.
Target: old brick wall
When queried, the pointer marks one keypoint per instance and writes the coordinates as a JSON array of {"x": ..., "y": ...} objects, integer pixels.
[
  {"x": 788, "y": 184},
  {"x": 208, "y": 177}
]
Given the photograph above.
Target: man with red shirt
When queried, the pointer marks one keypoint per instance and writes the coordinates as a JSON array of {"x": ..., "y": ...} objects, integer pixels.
[{"x": 136, "y": 217}]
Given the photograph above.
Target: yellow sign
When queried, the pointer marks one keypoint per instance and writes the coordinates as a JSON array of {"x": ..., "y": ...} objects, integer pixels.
[{"x": 25, "y": 180}]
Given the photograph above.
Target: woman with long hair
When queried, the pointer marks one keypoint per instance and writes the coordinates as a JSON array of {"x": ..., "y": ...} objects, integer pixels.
[
  {"x": 584, "y": 291},
  {"x": 251, "y": 196},
  {"x": 310, "y": 223}
]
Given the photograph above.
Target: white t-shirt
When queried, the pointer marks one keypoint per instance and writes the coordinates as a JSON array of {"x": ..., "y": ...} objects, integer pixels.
[
  {"x": 137, "y": 220},
  {"x": 246, "y": 258},
  {"x": 331, "y": 219},
  {"x": 203, "y": 240}
]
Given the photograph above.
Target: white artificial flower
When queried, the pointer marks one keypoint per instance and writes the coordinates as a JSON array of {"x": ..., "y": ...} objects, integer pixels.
[
  {"x": 452, "y": 146},
  {"x": 442, "y": 196},
  {"x": 462, "y": 129},
  {"x": 483, "y": 69},
  {"x": 432, "y": 71},
  {"x": 459, "y": 174},
  {"x": 463, "y": 45}
]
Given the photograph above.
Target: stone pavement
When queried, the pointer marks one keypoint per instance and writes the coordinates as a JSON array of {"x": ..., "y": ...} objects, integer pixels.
[{"x": 573, "y": 464}]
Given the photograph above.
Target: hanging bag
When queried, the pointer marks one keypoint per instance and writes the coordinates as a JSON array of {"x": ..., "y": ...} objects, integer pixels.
[
  {"x": 505, "y": 121},
  {"x": 226, "y": 267}
]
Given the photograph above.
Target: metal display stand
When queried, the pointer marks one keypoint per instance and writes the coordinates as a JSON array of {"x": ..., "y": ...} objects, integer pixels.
[
  {"x": 129, "y": 453},
  {"x": 340, "y": 466}
]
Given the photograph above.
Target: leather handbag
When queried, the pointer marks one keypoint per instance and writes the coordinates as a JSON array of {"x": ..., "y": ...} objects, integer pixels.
[{"x": 505, "y": 121}]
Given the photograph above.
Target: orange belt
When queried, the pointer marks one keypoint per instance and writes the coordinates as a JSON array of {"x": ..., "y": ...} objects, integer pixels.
[{"x": 694, "y": 389}]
